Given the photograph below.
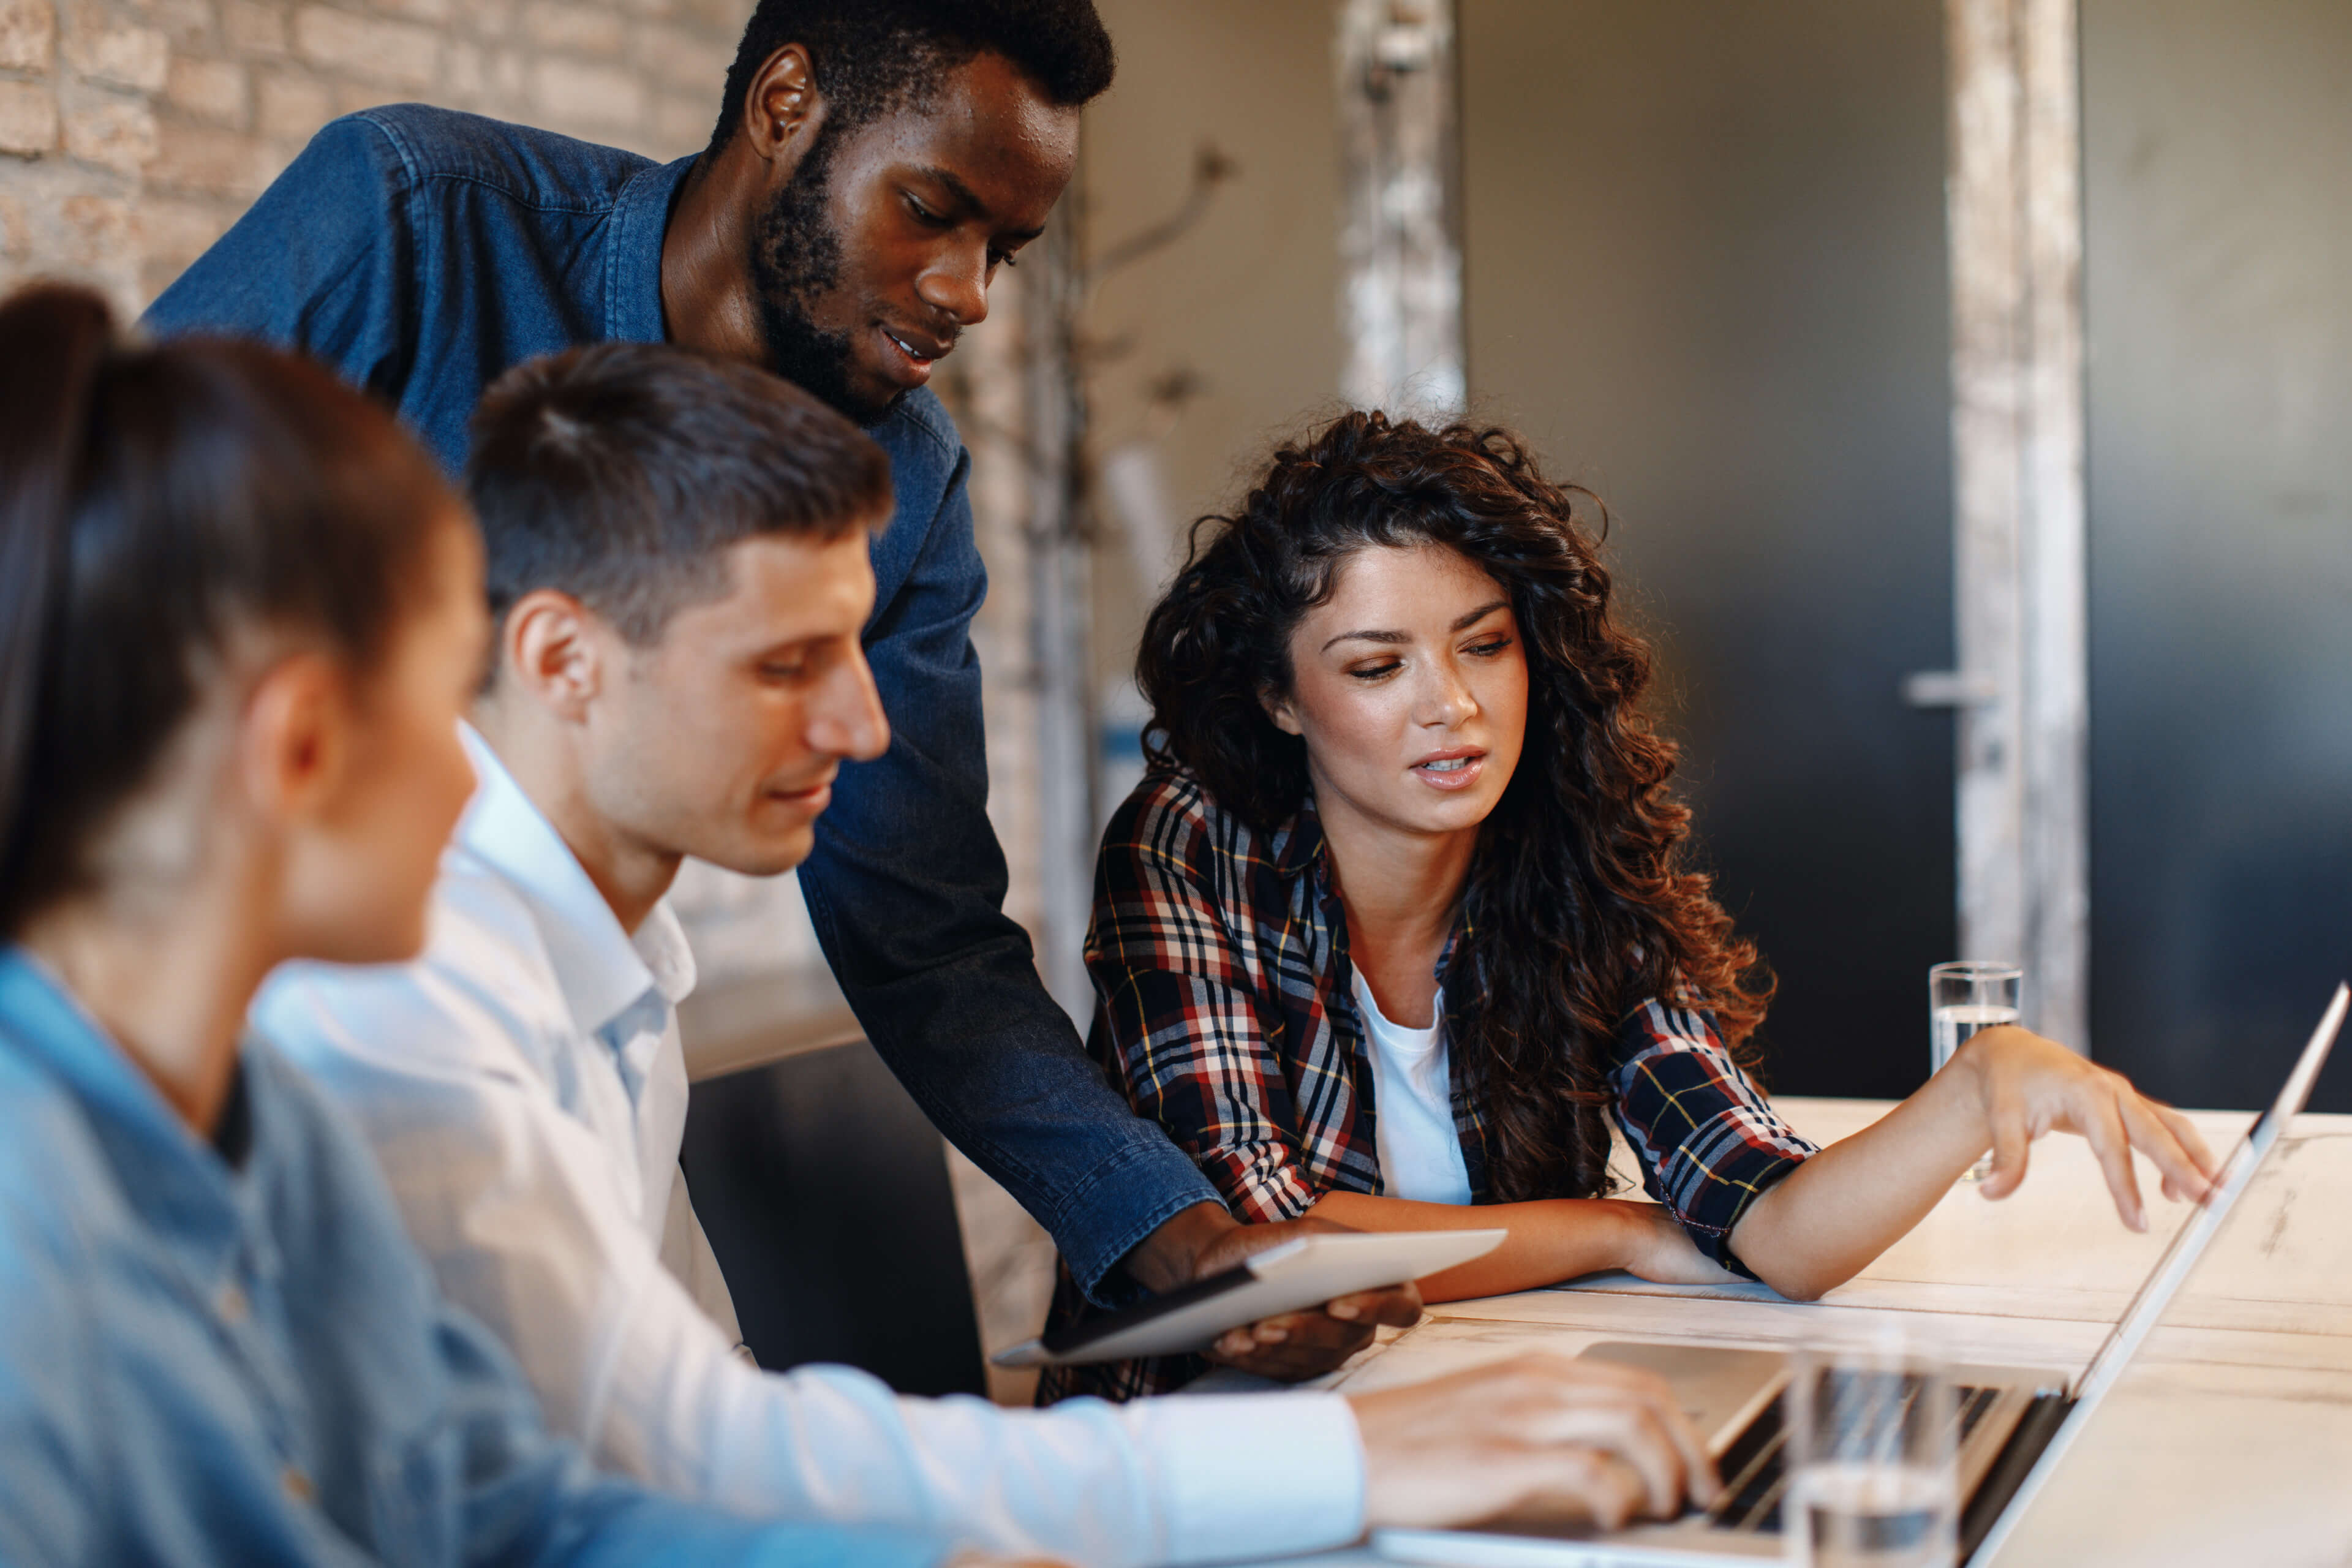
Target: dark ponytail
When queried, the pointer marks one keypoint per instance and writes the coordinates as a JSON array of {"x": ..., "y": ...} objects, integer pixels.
[
  {"x": 155, "y": 502},
  {"x": 52, "y": 343}
]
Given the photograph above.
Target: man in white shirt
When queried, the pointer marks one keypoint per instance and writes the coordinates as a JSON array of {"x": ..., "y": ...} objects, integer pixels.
[{"x": 678, "y": 562}]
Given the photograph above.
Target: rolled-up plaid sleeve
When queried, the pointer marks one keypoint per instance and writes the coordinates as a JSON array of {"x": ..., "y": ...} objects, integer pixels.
[
  {"x": 1709, "y": 1142},
  {"x": 1179, "y": 1029}
]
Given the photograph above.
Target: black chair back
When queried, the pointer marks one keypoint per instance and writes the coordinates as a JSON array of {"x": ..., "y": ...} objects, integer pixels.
[{"x": 824, "y": 1192}]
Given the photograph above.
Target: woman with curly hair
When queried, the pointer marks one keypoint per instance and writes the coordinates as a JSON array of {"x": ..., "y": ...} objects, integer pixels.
[{"x": 1398, "y": 919}]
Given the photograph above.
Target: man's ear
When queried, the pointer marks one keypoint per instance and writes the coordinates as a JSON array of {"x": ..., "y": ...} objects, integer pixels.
[
  {"x": 549, "y": 651},
  {"x": 294, "y": 737},
  {"x": 783, "y": 109},
  {"x": 1279, "y": 707}
]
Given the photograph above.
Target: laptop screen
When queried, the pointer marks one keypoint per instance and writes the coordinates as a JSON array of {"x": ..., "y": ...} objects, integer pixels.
[
  {"x": 2237, "y": 1173},
  {"x": 2164, "y": 1282}
]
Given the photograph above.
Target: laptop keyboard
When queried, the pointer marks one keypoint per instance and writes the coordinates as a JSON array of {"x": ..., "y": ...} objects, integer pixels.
[{"x": 1755, "y": 1472}]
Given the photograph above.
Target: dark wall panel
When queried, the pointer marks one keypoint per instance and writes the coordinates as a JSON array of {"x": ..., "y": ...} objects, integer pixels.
[
  {"x": 1705, "y": 260},
  {"x": 2218, "y": 157}
]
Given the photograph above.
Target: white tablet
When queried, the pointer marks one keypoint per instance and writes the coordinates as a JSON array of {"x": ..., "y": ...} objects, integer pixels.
[{"x": 1296, "y": 1275}]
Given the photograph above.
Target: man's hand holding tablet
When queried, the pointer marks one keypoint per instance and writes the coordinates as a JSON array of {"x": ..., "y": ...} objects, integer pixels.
[
  {"x": 1301, "y": 1277},
  {"x": 1205, "y": 1240}
]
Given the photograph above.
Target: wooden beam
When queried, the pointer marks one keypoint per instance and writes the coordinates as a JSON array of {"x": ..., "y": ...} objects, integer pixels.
[
  {"x": 1060, "y": 603},
  {"x": 2015, "y": 209},
  {"x": 1400, "y": 246}
]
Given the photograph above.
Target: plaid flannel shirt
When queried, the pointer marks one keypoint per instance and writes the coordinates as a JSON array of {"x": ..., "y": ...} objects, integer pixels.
[{"x": 1226, "y": 1014}]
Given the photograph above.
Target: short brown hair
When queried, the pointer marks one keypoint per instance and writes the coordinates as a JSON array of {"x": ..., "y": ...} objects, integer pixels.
[{"x": 620, "y": 473}]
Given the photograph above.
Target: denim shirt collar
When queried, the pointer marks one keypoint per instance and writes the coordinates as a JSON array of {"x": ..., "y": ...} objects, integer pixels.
[
  {"x": 180, "y": 1185},
  {"x": 633, "y": 300}
]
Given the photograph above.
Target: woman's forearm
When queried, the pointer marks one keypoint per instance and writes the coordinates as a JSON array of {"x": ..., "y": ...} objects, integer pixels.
[
  {"x": 1819, "y": 1225},
  {"x": 1551, "y": 1240}
]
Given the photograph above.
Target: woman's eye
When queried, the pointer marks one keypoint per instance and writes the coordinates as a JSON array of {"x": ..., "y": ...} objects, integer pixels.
[
  {"x": 1376, "y": 671},
  {"x": 782, "y": 671},
  {"x": 1490, "y": 648},
  {"x": 923, "y": 213},
  {"x": 1000, "y": 258}
]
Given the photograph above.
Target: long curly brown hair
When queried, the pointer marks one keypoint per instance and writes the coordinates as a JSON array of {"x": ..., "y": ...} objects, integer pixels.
[{"x": 1578, "y": 904}]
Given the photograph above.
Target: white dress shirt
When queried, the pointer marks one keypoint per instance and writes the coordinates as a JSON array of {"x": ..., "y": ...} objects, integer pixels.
[{"x": 524, "y": 1088}]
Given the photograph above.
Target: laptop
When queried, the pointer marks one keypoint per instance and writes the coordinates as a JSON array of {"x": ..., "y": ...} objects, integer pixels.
[{"x": 2015, "y": 1423}]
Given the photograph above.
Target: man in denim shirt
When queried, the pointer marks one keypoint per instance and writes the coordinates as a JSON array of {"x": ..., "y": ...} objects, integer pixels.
[{"x": 875, "y": 162}]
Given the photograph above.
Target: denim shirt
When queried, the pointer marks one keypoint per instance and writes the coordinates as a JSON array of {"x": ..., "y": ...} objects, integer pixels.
[
  {"x": 208, "y": 1358},
  {"x": 423, "y": 252}
]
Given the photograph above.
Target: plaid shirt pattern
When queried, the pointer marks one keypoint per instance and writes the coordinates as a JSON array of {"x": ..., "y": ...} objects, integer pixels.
[{"x": 1226, "y": 1013}]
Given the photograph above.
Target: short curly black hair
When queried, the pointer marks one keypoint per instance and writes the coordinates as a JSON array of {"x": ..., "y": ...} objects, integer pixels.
[{"x": 872, "y": 56}]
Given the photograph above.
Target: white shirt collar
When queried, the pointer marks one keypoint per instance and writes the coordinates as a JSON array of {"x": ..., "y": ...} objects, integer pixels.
[{"x": 602, "y": 969}]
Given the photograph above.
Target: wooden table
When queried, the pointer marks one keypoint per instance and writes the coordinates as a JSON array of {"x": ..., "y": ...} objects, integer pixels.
[{"x": 2229, "y": 1443}]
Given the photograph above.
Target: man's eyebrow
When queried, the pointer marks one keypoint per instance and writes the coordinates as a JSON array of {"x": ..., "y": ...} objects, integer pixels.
[
  {"x": 969, "y": 199},
  {"x": 1461, "y": 623},
  {"x": 792, "y": 642}
]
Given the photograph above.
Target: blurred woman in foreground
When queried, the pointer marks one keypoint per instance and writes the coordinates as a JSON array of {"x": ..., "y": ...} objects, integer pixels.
[{"x": 239, "y": 615}]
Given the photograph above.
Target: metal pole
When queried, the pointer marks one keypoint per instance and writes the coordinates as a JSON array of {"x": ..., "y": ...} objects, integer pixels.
[{"x": 1061, "y": 605}]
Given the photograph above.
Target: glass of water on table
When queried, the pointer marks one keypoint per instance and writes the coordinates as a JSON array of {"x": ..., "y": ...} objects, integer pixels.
[
  {"x": 1872, "y": 1475},
  {"x": 1963, "y": 998}
]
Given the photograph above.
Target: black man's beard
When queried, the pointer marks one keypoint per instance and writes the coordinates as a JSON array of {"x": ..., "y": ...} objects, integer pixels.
[{"x": 795, "y": 262}]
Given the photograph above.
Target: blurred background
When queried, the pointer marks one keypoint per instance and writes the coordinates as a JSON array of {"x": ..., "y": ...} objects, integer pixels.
[{"x": 1970, "y": 382}]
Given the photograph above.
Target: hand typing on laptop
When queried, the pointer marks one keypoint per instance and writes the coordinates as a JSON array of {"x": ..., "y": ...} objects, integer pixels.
[{"x": 1537, "y": 1439}]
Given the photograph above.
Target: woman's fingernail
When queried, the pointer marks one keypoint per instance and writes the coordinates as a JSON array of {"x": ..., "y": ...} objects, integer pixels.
[
  {"x": 1345, "y": 1310},
  {"x": 1267, "y": 1335}
]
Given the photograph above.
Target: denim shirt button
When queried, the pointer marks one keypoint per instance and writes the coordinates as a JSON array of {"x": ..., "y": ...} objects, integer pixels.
[
  {"x": 233, "y": 1305},
  {"x": 298, "y": 1485}
]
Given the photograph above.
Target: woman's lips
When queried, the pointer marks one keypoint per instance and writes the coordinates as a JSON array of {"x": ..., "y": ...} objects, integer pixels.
[{"x": 1455, "y": 773}]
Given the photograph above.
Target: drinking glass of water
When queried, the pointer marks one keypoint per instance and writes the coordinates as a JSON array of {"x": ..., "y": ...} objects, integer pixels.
[
  {"x": 1961, "y": 999},
  {"x": 1871, "y": 1481}
]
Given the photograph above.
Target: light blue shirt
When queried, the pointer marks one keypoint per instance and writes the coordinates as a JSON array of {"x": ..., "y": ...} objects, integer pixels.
[
  {"x": 248, "y": 1362},
  {"x": 524, "y": 1088}
]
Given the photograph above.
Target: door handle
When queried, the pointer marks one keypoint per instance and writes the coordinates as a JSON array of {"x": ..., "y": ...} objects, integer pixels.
[{"x": 1950, "y": 688}]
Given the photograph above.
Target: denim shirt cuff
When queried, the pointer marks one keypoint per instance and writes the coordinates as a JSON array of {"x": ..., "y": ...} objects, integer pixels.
[{"x": 1129, "y": 1195}]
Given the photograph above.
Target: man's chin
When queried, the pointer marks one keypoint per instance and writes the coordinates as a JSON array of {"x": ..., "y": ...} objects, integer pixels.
[
  {"x": 865, "y": 411},
  {"x": 861, "y": 406},
  {"x": 824, "y": 365},
  {"x": 769, "y": 857}
]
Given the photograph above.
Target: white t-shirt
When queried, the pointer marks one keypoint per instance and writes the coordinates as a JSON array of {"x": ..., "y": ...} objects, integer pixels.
[{"x": 1412, "y": 1106}]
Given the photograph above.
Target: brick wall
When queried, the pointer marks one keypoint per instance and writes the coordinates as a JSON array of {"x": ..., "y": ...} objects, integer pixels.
[{"x": 133, "y": 132}]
